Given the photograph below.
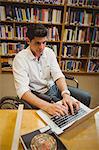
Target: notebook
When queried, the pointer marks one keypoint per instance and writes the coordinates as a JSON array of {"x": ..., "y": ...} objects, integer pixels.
[
  {"x": 26, "y": 138},
  {"x": 59, "y": 124}
]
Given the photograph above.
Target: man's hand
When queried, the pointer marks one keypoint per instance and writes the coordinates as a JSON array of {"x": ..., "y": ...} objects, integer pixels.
[
  {"x": 70, "y": 104},
  {"x": 63, "y": 108},
  {"x": 56, "y": 109}
]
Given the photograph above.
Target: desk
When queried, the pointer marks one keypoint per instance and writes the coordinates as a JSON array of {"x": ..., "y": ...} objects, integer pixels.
[{"x": 82, "y": 136}]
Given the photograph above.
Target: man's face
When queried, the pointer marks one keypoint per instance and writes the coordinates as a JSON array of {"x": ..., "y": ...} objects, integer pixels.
[{"x": 37, "y": 45}]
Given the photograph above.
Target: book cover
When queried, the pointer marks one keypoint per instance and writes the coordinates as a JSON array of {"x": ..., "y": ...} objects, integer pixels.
[{"x": 26, "y": 138}]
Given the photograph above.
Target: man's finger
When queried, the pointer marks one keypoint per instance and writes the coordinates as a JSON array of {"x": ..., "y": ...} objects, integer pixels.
[
  {"x": 71, "y": 108},
  {"x": 60, "y": 109},
  {"x": 65, "y": 107},
  {"x": 77, "y": 105}
]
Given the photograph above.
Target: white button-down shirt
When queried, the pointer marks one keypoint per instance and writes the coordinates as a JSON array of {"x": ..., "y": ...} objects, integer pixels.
[{"x": 32, "y": 74}]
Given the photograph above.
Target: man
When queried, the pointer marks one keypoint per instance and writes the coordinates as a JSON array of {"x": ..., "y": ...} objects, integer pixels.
[{"x": 36, "y": 69}]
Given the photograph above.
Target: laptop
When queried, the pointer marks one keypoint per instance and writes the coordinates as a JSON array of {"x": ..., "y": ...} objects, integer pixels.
[{"x": 59, "y": 123}]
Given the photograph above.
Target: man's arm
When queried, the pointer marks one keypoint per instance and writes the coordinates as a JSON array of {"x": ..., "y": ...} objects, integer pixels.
[
  {"x": 53, "y": 109},
  {"x": 34, "y": 100},
  {"x": 61, "y": 84}
]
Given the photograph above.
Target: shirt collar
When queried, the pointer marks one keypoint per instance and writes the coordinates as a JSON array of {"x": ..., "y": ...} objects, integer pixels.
[{"x": 31, "y": 56}]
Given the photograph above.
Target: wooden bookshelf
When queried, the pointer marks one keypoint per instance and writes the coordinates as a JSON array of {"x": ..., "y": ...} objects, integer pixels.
[
  {"x": 77, "y": 44},
  {"x": 15, "y": 23},
  {"x": 81, "y": 31}
]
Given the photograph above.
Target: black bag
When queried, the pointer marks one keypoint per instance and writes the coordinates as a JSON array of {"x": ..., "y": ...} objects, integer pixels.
[{"x": 11, "y": 102}]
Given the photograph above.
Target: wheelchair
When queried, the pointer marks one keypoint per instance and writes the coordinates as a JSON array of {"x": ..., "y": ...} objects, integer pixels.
[{"x": 12, "y": 102}]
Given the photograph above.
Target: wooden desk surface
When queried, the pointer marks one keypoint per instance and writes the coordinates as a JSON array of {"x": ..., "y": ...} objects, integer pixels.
[
  {"x": 7, "y": 125},
  {"x": 83, "y": 136}
]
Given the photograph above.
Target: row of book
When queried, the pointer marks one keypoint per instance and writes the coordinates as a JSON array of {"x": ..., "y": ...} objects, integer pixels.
[
  {"x": 68, "y": 65},
  {"x": 69, "y": 51},
  {"x": 93, "y": 66},
  {"x": 39, "y": 1},
  {"x": 84, "y": 2},
  {"x": 6, "y": 62},
  {"x": 9, "y": 32},
  {"x": 6, "y": 31},
  {"x": 81, "y": 35},
  {"x": 72, "y": 65},
  {"x": 94, "y": 52},
  {"x": 30, "y": 14},
  {"x": 19, "y": 32},
  {"x": 53, "y": 34},
  {"x": 49, "y": 1},
  {"x": 74, "y": 51},
  {"x": 10, "y": 48},
  {"x": 79, "y": 66},
  {"x": 82, "y": 17}
]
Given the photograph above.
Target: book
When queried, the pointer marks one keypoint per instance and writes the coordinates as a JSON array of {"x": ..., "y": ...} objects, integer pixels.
[
  {"x": 2, "y": 13},
  {"x": 26, "y": 138}
]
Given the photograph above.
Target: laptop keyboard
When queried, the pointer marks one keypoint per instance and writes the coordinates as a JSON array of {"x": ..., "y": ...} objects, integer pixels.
[{"x": 62, "y": 121}]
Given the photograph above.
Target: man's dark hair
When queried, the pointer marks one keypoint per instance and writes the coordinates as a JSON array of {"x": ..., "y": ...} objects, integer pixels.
[{"x": 36, "y": 30}]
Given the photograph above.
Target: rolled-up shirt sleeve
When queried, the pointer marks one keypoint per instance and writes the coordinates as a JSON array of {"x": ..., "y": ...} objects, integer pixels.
[
  {"x": 21, "y": 78},
  {"x": 55, "y": 68}
]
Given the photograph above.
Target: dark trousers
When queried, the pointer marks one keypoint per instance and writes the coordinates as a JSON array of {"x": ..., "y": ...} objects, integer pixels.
[
  {"x": 81, "y": 95},
  {"x": 54, "y": 95}
]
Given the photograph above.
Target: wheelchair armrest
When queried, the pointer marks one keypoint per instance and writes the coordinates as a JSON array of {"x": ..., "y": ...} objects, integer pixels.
[{"x": 69, "y": 77}]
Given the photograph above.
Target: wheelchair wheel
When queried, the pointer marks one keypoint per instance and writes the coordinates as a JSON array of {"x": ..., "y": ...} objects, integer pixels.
[
  {"x": 9, "y": 102},
  {"x": 12, "y": 102}
]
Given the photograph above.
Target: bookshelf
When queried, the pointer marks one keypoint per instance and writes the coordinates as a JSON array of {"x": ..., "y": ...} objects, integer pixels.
[
  {"x": 73, "y": 31},
  {"x": 80, "y": 51},
  {"x": 17, "y": 15}
]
